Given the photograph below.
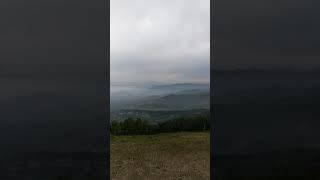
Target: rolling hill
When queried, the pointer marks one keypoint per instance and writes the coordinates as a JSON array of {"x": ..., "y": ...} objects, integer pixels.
[{"x": 164, "y": 102}]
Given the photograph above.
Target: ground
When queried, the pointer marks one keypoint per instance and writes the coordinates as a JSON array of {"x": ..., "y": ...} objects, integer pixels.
[{"x": 167, "y": 156}]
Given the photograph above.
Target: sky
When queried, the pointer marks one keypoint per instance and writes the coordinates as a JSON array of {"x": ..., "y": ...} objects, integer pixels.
[{"x": 159, "y": 41}]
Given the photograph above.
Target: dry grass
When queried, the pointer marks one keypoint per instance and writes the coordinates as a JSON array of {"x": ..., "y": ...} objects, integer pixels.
[{"x": 167, "y": 156}]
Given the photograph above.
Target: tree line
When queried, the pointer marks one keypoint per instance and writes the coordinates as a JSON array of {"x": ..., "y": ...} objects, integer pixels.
[{"x": 138, "y": 126}]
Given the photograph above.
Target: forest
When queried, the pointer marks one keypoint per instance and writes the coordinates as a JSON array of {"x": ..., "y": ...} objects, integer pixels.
[{"x": 138, "y": 126}]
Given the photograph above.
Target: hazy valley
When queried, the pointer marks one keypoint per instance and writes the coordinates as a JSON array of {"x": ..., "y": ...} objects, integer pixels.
[{"x": 159, "y": 102}]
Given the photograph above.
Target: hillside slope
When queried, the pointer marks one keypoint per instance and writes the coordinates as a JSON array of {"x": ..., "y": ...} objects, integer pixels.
[{"x": 162, "y": 156}]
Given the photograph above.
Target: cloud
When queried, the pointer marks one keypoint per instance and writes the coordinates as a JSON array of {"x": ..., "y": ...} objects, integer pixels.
[{"x": 160, "y": 40}]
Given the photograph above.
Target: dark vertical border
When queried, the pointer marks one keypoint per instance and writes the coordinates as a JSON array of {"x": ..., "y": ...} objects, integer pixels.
[
  {"x": 107, "y": 43},
  {"x": 212, "y": 54}
]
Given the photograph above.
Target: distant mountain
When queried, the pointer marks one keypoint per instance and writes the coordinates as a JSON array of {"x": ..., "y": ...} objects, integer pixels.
[
  {"x": 161, "y": 102},
  {"x": 123, "y": 97},
  {"x": 182, "y": 100},
  {"x": 180, "y": 87}
]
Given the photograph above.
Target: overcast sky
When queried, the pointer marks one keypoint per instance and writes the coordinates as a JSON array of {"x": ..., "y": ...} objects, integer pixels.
[{"x": 160, "y": 40}]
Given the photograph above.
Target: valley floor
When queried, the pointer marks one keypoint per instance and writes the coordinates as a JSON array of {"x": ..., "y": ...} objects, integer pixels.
[{"x": 167, "y": 156}]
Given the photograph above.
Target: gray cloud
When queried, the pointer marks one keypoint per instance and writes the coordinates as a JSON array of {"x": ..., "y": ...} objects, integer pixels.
[{"x": 160, "y": 40}]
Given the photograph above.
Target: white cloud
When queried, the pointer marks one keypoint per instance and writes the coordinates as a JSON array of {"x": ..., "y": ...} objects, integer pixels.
[{"x": 160, "y": 40}]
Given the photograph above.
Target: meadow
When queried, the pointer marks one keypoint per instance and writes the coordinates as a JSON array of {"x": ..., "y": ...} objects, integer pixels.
[{"x": 167, "y": 156}]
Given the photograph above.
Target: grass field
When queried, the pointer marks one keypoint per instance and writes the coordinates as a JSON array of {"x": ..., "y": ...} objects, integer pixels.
[{"x": 167, "y": 156}]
